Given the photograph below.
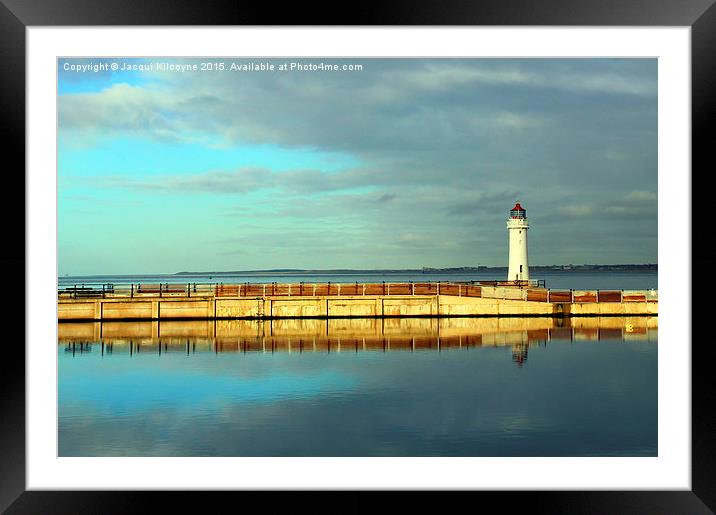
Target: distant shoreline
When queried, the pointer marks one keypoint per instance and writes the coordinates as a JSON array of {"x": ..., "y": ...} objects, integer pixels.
[
  {"x": 414, "y": 271},
  {"x": 429, "y": 270}
]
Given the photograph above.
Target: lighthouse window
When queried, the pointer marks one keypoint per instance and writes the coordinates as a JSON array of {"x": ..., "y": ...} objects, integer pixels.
[{"x": 520, "y": 268}]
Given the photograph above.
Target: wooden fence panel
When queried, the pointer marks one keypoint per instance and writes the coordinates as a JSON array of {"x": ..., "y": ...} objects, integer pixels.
[
  {"x": 449, "y": 289},
  {"x": 400, "y": 289},
  {"x": 609, "y": 296},
  {"x": 321, "y": 289},
  {"x": 254, "y": 290},
  {"x": 472, "y": 291},
  {"x": 634, "y": 296},
  {"x": 560, "y": 296},
  {"x": 278, "y": 290},
  {"x": 375, "y": 289},
  {"x": 227, "y": 290},
  {"x": 148, "y": 288},
  {"x": 585, "y": 296},
  {"x": 326, "y": 289},
  {"x": 537, "y": 295},
  {"x": 427, "y": 289},
  {"x": 351, "y": 289}
]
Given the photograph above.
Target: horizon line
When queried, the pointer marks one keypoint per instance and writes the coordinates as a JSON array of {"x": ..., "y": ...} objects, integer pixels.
[{"x": 309, "y": 270}]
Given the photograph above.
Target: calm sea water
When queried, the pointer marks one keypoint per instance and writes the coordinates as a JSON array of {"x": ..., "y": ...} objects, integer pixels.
[
  {"x": 556, "y": 279},
  {"x": 360, "y": 387}
]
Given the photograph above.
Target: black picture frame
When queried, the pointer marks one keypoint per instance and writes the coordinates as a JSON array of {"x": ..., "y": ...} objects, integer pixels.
[{"x": 17, "y": 15}]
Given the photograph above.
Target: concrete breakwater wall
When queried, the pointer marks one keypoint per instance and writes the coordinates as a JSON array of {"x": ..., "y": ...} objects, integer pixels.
[{"x": 181, "y": 306}]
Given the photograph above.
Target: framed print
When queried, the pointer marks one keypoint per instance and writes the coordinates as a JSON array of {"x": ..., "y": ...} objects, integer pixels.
[{"x": 271, "y": 257}]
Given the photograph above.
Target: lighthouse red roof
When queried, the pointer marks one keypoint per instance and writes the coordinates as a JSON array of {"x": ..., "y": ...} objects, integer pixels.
[{"x": 517, "y": 206}]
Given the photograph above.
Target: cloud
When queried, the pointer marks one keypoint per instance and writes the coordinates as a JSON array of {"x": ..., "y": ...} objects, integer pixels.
[
  {"x": 577, "y": 210},
  {"x": 519, "y": 121},
  {"x": 244, "y": 180},
  {"x": 635, "y": 205},
  {"x": 630, "y": 211},
  {"x": 447, "y": 145},
  {"x": 448, "y": 76},
  {"x": 339, "y": 111},
  {"x": 611, "y": 83},
  {"x": 121, "y": 109},
  {"x": 414, "y": 238},
  {"x": 222, "y": 182},
  {"x": 641, "y": 196},
  {"x": 480, "y": 203}
]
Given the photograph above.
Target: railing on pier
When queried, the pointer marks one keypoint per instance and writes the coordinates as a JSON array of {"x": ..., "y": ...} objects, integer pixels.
[{"x": 526, "y": 290}]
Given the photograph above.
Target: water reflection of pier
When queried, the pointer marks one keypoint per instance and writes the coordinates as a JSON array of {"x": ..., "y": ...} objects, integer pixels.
[{"x": 347, "y": 335}]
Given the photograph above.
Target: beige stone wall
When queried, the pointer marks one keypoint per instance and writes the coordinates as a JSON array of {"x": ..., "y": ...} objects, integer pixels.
[
  {"x": 185, "y": 309},
  {"x": 127, "y": 309},
  {"x": 296, "y": 308},
  {"x": 614, "y": 308},
  {"x": 354, "y": 306},
  {"x": 76, "y": 310},
  {"x": 452, "y": 306},
  {"x": 358, "y": 306},
  {"x": 239, "y": 308},
  {"x": 411, "y": 306}
]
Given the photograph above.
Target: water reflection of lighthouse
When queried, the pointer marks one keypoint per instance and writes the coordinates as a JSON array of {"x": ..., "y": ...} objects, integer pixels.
[
  {"x": 519, "y": 353},
  {"x": 517, "y": 226}
]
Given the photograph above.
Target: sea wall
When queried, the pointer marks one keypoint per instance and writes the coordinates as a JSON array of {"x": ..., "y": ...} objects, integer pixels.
[{"x": 183, "y": 308}]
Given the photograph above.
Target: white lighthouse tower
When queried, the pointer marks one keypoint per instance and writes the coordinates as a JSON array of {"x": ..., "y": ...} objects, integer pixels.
[{"x": 517, "y": 226}]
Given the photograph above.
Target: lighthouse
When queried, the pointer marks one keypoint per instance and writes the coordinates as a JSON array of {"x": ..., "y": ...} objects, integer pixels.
[{"x": 517, "y": 226}]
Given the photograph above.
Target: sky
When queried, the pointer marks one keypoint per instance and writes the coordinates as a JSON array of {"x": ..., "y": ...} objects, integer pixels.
[{"x": 396, "y": 163}]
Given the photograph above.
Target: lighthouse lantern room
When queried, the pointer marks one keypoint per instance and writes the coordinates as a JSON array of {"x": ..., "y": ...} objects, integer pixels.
[{"x": 517, "y": 227}]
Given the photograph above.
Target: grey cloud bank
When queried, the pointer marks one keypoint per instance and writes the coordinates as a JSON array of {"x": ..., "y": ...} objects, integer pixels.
[{"x": 445, "y": 147}]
